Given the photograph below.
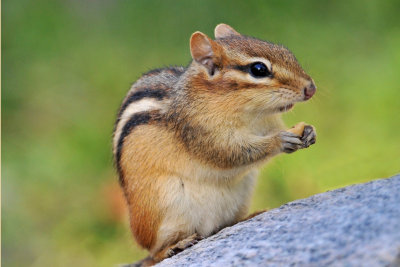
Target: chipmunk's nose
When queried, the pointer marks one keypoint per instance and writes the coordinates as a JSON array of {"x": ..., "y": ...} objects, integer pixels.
[{"x": 309, "y": 91}]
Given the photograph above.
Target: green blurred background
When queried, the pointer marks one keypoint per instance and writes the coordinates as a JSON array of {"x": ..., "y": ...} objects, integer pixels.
[{"x": 67, "y": 65}]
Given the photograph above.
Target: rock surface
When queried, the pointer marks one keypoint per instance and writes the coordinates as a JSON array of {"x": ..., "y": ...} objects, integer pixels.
[{"x": 354, "y": 226}]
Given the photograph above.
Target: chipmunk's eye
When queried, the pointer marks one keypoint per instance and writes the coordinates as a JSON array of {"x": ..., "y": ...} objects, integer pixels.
[{"x": 259, "y": 70}]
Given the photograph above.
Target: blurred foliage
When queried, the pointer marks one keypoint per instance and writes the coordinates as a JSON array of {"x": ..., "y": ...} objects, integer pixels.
[{"x": 67, "y": 64}]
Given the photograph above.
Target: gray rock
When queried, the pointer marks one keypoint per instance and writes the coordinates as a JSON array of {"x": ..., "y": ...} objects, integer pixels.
[{"x": 357, "y": 225}]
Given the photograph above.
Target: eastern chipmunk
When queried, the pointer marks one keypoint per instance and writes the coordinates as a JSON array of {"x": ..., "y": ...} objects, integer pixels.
[{"x": 188, "y": 141}]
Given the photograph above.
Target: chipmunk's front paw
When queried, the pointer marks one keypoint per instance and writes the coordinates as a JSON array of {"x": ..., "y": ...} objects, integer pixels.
[
  {"x": 309, "y": 136},
  {"x": 290, "y": 142},
  {"x": 300, "y": 136}
]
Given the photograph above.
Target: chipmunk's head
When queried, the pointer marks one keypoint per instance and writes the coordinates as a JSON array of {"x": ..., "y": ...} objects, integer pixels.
[{"x": 256, "y": 75}]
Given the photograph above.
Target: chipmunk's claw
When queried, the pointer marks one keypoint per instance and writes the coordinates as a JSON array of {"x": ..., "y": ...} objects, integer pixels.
[
  {"x": 309, "y": 136},
  {"x": 292, "y": 142},
  {"x": 184, "y": 244}
]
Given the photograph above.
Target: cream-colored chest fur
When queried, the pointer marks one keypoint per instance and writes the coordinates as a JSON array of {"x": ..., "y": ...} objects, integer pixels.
[{"x": 204, "y": 209}]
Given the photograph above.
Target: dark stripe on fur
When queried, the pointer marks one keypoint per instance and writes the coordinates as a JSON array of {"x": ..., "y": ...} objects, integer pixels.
[
  {"x": 150, "y": 93},
  {"x": 243, "y": 68},
  {"x": 136, "y": 120}
]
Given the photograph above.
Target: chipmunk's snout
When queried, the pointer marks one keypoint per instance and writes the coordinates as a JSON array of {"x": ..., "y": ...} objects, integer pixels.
[{"x": 309, "y": 91}]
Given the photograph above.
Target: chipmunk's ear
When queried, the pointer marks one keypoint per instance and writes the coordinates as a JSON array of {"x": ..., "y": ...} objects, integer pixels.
[
  {"x": 223, "y": 30},
  {"x": 204, "y": 51}
]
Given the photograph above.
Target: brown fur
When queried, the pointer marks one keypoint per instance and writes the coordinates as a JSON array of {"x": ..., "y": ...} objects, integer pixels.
[
  {"x": 140, "y": 191},
  {"x": 188, "y": 146}
]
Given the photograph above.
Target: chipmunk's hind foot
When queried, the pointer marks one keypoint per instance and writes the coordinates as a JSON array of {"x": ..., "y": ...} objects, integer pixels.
[{"x": 178, "y": 247}]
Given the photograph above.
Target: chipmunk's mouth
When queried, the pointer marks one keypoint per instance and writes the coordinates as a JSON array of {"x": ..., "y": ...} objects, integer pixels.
[{"x": 285, "y": 108}]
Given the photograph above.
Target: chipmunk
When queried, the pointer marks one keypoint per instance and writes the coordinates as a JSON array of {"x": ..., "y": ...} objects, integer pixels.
[{"x": 188, "y": 141}]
